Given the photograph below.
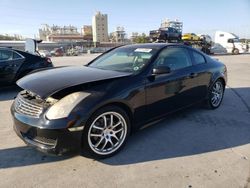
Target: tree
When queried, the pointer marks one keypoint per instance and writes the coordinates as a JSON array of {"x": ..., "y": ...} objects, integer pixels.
[
  {"x": 8, "y": 37},
  {"x": 143, "y": 38}
]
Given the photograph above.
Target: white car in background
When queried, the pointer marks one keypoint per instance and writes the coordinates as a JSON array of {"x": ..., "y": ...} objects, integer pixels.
[{"x": 44, "y": 53}]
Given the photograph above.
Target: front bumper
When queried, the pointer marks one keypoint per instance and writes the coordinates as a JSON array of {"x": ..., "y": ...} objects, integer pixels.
[{"x": 51, "y": 141}]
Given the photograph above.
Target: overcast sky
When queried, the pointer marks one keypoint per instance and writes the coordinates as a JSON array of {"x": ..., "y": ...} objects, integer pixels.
[{"x": 26, "y": 16}]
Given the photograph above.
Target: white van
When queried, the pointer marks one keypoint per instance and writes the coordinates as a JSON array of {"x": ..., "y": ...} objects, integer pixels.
[{"x": 229, "y": 42}]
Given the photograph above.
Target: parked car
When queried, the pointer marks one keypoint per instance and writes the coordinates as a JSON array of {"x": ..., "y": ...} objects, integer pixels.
[
  {"x": 165, "y": 34},
  {"x": 218, "y": 49},
  {"x": 57, "y": 52},
  {"x": 97, "y": 106},
  {"x": 72, "y": 52},
  {"x": 44, "y": 53},
  {"x": 15, "y": 64},
  {"x": 190, "y": 36}
]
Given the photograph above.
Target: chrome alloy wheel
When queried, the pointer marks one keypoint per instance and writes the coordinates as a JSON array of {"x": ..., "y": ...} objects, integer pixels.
[
  {"x": 217, "y": 93},
  {"x": 107, "y": 133}
]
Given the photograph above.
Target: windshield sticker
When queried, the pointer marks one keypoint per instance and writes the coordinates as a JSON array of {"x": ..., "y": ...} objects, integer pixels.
[{"x": 147, "y": 50}]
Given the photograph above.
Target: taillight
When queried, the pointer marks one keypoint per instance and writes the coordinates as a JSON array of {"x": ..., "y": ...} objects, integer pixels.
[{"x": 48, "y": 60}]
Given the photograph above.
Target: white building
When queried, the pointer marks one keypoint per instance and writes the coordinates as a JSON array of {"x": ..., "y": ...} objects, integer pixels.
[
  {"x": 59, "y": 33},
  {"x": 118, "y": 35},
  {"x": 172, "y": 23},
  {"x": 100, "y": 27}
]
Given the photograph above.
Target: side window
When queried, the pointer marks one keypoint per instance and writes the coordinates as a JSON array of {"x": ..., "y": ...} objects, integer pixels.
[
  {"x": 5, "y": 55},
  {"x": 16, "y": 55},
  {"x": 198, "y": 58},
  {"x": 174, "y": 57}
]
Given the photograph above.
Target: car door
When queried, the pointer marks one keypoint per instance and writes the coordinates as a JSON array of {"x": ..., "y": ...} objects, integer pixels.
[
  {"x": 202, "y": 75},
  {"x": 10, "y": 62},
  {"x": 230, "y": 45},
  {"x": 169, "y": 92}
]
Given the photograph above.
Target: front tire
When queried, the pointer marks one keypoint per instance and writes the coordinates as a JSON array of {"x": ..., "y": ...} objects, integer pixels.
[
  {"x": 215, "y": 94},
  {"x": 106, "y": 132}
]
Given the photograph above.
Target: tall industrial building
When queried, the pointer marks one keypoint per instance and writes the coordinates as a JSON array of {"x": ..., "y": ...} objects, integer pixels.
[
  {"x": 100, "y": 27},
  {"x": 172, "y": 23}
]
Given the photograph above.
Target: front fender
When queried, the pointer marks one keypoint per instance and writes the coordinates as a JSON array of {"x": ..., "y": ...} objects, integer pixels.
[{"x": 83, "y": 111}]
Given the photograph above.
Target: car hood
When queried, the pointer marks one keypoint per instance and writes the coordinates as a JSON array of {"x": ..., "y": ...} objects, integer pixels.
[{"x": 46, "y": 83}]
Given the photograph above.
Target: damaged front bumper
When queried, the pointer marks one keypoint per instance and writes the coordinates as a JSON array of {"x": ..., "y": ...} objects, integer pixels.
[{"x": 52, "y": 141}]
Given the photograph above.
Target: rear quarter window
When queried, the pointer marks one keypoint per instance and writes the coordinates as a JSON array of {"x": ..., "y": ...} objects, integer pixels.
[
  {"x": 198, "y": 58},
  {"x": 16, "y": 56}
]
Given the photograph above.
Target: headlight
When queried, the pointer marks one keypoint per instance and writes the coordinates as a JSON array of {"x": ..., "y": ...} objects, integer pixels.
[{"x": 63, "y": 107}]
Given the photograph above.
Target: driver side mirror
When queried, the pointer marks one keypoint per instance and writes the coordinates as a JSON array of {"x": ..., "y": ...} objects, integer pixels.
[{"x": 161, "y": 70}]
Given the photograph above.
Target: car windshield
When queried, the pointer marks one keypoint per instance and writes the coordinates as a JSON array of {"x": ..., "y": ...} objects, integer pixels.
[
  {"x": 124, "y": 59},
  {"x": 236, "y": 40}
]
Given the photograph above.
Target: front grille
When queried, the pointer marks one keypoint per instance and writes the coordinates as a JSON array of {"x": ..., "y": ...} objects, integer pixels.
[
  {"x": 27, "y": 104},
  {"x": 46, "y": 141},
  {"x": 42, "y": 140},
  {"x": 32, "y": 135}
]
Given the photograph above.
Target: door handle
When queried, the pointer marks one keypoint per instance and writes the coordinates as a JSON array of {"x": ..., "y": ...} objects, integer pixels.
[{"x": 192, "y": 75}]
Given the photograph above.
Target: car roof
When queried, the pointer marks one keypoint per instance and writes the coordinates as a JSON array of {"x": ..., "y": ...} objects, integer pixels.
[
  {"x": 6, "y": 48},
  {"x": 10, "y": 48},
  {"x": 153, "y": 45},
  {"x": 159, "y": 46}
]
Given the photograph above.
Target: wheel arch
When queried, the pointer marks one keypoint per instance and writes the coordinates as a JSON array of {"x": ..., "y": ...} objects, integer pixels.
[
  {"x": 223, "y": 81},
  {"x": 215, "y": 78},
  {"x": 218, "y": 77},
  {"x": 129, "y": 111},
  {"x": 123, "y": 106}
]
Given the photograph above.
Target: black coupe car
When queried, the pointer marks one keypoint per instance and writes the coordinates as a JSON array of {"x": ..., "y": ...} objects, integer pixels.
[
  {"x": 97, "y": 106},
  {"x": 14, "y": 64}
]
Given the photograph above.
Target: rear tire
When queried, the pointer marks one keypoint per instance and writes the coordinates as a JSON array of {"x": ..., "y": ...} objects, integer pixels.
[
  {"x": 236, "y": 51},
  {"x": 215, "y": 94},
  {"x": 106, "y": 132}
]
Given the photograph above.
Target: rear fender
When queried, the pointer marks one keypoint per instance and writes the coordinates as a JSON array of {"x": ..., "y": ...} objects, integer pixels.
[{"x": 215, "y": 77}]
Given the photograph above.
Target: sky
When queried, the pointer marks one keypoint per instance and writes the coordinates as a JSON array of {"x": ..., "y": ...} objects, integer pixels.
[{"x": 25, "y": 17}]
